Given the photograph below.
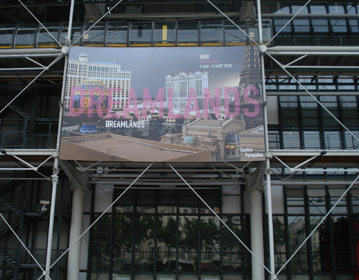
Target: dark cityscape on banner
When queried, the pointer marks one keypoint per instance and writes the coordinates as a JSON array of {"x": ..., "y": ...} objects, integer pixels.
[{"x": 190, "y": 104}]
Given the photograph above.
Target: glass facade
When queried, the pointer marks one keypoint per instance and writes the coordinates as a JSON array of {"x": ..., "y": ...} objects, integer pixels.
[{"x": 169, "y": 234}]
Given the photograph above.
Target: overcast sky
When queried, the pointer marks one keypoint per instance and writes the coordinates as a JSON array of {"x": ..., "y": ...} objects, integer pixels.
[{"x": 150, "y": 66}]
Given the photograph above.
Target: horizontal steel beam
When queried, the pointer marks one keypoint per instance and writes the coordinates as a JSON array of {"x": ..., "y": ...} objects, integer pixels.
[
  {"x": 313, "y": 50},
  {"x": 169, "y": 16},
  {"x": 308, "y": 182},
  {"x": 33, "y": 52},
  {"x": 310, "y": 153},
  {"x": 28, "y": 152},
  {"x": 303, "y": 93},
  {"x": 289, "y": 16}
]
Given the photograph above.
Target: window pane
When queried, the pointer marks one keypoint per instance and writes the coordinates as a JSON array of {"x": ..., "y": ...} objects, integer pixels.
[
  {"x": 166, "y": 244},
  {"x": 332, "y": 140},
  {"x": 296, "y": 9},
  {"x": 212, "y": 33},
  {"x": 117, "y": 35},
  {"x": 336, "y": 9},
  {"x": 141, "y": 33},
  {"x": 164, "y": 33},
  {"x": 320, "y": 245},
  {"x": 311, "y": 140},
  {"x": 291, "y": 140},
  {"x": 338, "y": 25},
  {"x": 123, "y": 243}
]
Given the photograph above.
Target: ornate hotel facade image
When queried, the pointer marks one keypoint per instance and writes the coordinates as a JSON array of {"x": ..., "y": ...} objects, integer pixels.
[{"x": 175, "y": 140}]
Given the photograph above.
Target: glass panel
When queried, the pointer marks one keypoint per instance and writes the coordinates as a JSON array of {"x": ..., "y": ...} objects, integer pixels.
[
  {"x": 212, "y": 33},
  {"x": 311, "y": 140},
  {"x": 144, "y": 244},
  {"x": 253, "y": 31},
  {"x": 25, "y": 36},
  {"x": 117, "y": 34},
  {"x": 318, "y": 9},
  {"x": 320, "y": 245},
  {"x": 188, "y": 241},
  {"x": 279, "y": 23},
  {"x": 96, "y": 36},
  {"x": 351, "y": 8},
  {"x": 274, "y": 140},
  {"x": 339, "y": 25},
  {"x": 280, "y": 8},
  {"x": 301, "y": 25},
  {"x": 164, "y": 33},
  {"x": 297, "y": 234},
  {"x": 44, "y": 38},
  {"x": 336, "y": 9},
  {"x": 317, "y": 201},
  {"x": 210, "y": 245},
  {"x": 350, "y": 141},
  {"x": 187, "y": 33},
  {"x": 76, "y": 32},
  {"x": 291, "y": 140},
  {"x": 332, "y": 140},
  {"x": 232, "y": 256},
  {"x": 288, "y": 101},
  {"x": 341, "y": 207},
  {"x": 279, "y": 235},
  {"x": 353, "y": 25},
  {"x": 235, "y": 36},
  {"x": 123, "y": 242},
  {"x": 141, "y": 33},
  {"x": 101, "y": 244},
  {"x": 320, "y": 25},
  {"x": 342, "y": 244},
  {"x": 296, "y": 9},
  {"x": 166, "y": 243},
  {"x": 6, "y": 36}
]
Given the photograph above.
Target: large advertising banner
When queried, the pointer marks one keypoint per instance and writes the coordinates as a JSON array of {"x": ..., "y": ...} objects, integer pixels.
[{"x": 190, "y": 104}]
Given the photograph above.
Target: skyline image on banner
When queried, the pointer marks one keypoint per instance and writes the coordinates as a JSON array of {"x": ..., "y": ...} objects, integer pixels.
[{"x": 200, "y": 104}]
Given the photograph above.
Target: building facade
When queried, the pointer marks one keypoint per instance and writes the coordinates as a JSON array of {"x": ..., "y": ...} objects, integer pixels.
[
  {"x": 111, "y": 75},
  {"x": 125, "y": 220},
  {"x": 181, "y": 85}
]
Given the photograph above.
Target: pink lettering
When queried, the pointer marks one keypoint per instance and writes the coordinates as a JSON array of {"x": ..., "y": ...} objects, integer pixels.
[
  {"x": 134, "y": 108},
  {"x": 208, "y": 100},
  {"x": 148, "y": 102},
  {"x": 189, "y": 108},
  {"x": 251, "y": 100}
]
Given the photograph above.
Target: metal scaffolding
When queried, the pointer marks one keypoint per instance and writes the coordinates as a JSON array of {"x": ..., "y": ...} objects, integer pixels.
[{"x": 270, "y": 154}]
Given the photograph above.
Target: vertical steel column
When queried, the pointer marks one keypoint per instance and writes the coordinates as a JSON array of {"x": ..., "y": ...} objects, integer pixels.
[
  {"x": 268, "y": 189},
  {"x": 55, "y": 176}
]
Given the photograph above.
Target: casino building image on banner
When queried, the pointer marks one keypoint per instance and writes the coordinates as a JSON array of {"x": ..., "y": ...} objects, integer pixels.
[
  {"x": 179, "y": 140},
  {"x": 109, "y": 74}
]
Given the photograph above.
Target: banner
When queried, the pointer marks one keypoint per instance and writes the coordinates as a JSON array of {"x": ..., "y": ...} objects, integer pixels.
[{"x": 190, "y": 104}]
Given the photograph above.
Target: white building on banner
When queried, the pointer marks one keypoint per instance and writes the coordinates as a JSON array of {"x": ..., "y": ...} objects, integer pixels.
[
  {"x": 110, "y": 74},
  {"x": 181, "y": 85}
]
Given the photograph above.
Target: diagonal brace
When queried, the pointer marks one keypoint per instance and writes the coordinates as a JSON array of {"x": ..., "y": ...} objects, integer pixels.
[
  {"x": 22, "y": 243},
  {"x": 223, "y": 223},
  {"x": 100, "y": 216},
  {"x": 317, "y": 226}
]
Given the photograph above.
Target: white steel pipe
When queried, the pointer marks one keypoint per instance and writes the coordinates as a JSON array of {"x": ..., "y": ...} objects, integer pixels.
[
  {"x": 73, "y": 263},
  {"x": 268, "y": 193}
]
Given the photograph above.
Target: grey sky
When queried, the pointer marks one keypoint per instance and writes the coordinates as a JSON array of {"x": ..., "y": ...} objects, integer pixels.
[{"x": 150, "y": 66}]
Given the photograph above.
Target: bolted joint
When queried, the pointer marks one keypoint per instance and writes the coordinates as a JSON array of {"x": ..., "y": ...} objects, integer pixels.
[
  {"x": 267, "y": 171},
  {"x": 54, "y": 178},
  {"x": 67, "y": 42},
  {"x": 65, "y": 49},
  {"x": 263, "y": 48}
]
